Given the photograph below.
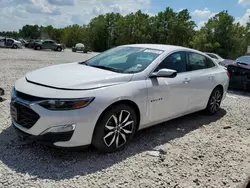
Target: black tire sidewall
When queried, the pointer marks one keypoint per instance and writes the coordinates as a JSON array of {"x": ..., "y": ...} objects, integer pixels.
[
  {"x": 15, "y": 46},
  {"x": 59, "y": 49},
  {"x": 97, "y": 140}
]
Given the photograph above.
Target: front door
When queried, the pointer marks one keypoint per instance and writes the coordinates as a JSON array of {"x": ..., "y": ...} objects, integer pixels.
[
  {"x": 168, "y": 97},
  {"x": 9, "y": 43},
  {"x": 45, "y": 45}
]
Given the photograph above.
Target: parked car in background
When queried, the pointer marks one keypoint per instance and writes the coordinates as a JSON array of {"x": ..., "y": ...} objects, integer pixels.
[
  {"x": 214, "y": 56},
  {"x": 24, "y": 42},
  {"x": 31, "y": 43},
  {"x": 10, "y": 43},
  {"x": 48, "y": 44},
  {"x": 79, "y": 47},
  {"x": 243, "y": 60},
  {"x": 227, "y": 62},
  {"x": 240, "y": 73},
  {"x": 107, "y": 98}
]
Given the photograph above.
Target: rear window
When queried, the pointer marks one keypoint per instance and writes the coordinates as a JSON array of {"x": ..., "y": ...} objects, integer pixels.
[{"x": 212, "y": 56}]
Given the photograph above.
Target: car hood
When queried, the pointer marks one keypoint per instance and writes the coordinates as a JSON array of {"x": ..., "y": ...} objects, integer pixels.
[{"x": 75, "y": 76}]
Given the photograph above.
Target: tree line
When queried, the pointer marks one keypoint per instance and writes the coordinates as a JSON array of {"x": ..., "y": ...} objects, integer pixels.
[{"x": 221, "y": 34}]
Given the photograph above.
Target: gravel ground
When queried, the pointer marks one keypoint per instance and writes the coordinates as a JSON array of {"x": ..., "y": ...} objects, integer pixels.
[{"x": 192, "y": 151}]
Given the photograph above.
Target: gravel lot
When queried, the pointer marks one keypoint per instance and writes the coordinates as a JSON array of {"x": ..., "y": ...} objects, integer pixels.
[{"x": 192, "y": 151}]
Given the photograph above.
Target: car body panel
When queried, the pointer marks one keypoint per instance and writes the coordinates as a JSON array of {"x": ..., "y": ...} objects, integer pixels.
[
  {"x": 158, "y": 99},
  {"x": 76, "y": 76}
]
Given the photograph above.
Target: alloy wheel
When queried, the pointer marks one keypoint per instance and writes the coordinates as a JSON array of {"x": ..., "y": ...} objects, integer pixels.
[
  {"x": 215, "y": 101},
  {"x": 118, "y": 129}
]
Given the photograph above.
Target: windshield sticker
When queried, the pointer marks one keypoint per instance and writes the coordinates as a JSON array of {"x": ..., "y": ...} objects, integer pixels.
[{"x": 153, "y": 51}]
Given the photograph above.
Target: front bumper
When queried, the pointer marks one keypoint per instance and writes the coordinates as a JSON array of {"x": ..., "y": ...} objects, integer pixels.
[
  {"x": 48, "y": 138},
  {"x": 84, "y": 120}
]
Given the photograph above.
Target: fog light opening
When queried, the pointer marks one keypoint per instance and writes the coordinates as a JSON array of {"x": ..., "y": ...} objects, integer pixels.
[{"x": 60, "y": 129}]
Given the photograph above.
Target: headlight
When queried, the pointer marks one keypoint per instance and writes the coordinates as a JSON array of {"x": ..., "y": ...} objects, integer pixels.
[{"x": 66, "y": 104}]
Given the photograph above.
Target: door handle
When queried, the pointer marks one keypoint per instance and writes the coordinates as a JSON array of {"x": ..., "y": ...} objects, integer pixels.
[{"x": 186, "y": 80}]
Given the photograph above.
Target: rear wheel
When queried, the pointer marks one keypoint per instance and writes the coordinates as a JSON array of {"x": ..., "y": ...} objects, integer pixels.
[
  {"x": 115, "y": 129},
  {"x": 59, "y": 49},
  {"x": 214, "y": 101},
  {"x": 38, "y": 48}
]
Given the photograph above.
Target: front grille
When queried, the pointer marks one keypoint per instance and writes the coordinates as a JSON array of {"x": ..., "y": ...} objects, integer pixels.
[
  {"x": 25, "y": 116},
  {"x": 28, "y": 97}
]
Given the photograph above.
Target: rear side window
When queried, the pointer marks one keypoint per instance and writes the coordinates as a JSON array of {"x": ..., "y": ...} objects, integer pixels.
[
  {"x": 210, "y": 63},
  {"x": 197, "y": 61}
]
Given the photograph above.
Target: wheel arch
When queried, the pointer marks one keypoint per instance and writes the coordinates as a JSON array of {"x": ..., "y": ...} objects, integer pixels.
[
  {"x": 123, "y": 101},
  {"x": 220, "y": 87}
]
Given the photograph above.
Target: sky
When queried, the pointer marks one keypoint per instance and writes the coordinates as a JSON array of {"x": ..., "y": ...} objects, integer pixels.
[{"x": 60, "y": 13}]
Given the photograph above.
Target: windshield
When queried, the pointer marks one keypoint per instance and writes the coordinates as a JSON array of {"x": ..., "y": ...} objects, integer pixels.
[
  {"x": 244, "y": 59},
  {"x": 124, "y": 59}
]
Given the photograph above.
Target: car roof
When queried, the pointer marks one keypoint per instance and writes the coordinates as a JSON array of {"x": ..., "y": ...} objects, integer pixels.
[{"x": 164, "y": 47}]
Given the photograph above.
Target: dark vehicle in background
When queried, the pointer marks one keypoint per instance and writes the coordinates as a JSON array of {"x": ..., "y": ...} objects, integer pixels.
[
  {"x": 10, "y": 43},
  {"x": 79, "y": 47},
  {"x": 31, "y": 43},
  {"x": 24, "y": 42},
  {"x": 239, "y": 72},
  {"x": 48, "y": 45}
]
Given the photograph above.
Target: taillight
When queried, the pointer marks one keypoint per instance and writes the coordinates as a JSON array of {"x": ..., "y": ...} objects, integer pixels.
[{"x": 228, "y": 74}]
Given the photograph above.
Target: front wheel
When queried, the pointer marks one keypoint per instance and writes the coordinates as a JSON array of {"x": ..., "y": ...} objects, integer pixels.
[
  {"x": 214, "y": 101},
  {"x": 59, "y": 49},
  {"x": 115, "y": 128},
  {"x": 15, "y": 46}
]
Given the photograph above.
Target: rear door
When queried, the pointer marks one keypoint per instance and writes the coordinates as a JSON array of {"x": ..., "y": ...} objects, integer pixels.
[
  {"x": 2, "y": 42},
  {"x": 200, "y": 73}
]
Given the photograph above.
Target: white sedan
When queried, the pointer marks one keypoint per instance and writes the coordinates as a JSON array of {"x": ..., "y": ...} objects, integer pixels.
[{"x": 103, "y": 101}]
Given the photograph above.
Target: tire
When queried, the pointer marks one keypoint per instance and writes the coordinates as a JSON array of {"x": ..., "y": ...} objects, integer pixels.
[
  {"x": 110, "y": 135},
  {"x": 214, "y": 101},
  {"x": 15, "y": 46},
  {"x": 59, "y": 49},
  {"x": 38, "y": 47}
]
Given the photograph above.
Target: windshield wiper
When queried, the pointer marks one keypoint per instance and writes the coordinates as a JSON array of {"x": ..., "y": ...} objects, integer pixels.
[
  {"x": 107, "y": 68},
  {"x": 242, "y": 63},
  {"x": 83, "y": 63}
]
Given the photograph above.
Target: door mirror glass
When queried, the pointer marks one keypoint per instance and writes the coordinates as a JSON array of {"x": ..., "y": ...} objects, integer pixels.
[{"x": 168, "y": 73}]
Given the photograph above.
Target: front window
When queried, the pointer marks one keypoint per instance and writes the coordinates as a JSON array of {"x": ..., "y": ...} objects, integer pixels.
[
  {"x": 125, "y": 59},
  {"x": 175, "y": 61}
]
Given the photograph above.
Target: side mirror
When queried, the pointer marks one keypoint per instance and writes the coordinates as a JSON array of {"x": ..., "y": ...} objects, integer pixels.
[{"x": 168, "y": 73}]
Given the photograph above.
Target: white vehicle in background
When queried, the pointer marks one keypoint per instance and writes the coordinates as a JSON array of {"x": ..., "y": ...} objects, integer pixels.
[
  {"x": 215, "y": 57},
  {"x": 79, "y": 47},
  {"x": 10, "y": 43},
  {"x": 103, "y": 101}
]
